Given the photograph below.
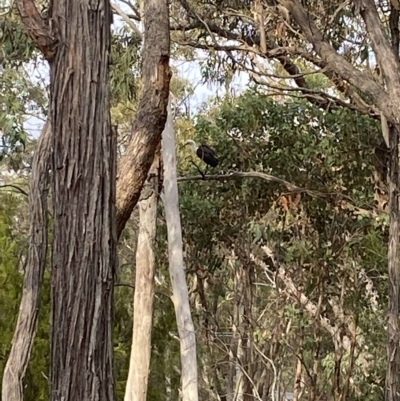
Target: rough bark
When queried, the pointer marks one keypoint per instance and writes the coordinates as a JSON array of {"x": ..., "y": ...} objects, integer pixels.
[
  {"x": 392, "y": 372},
  {"x": 180, "y": 296},
  {"x": 84, "y": 176},
  {"x": 146, "y": 135},
  {"x": 14, "y": 372},
  {"x": 152, "y": 110},
  {"x": 136, "y": 385}
]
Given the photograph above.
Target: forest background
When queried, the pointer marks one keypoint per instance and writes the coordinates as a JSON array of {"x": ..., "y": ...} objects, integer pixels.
[{"x": 290, "y": 244}]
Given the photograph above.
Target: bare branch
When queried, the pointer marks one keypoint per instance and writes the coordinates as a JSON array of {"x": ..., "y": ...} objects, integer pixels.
[
  {"x": 343, "y": 201},
  {"x": 337, "y": 63},
  {"x": 137, "y": 16},
  {"x": 121, "y": 13},
  {"x": 17, "y": 188},
  {"x": 267, "y": 177}
]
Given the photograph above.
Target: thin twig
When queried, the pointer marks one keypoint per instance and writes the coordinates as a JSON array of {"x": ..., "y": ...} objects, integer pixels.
[{"x": 15, "y": 187}]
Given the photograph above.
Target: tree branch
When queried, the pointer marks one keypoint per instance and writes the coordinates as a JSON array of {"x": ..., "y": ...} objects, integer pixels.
[
  {"x": 345, "y": 202},
  {"x": 152, "y": 110},
  {"x": 282, "y": 55},
  {"x": 17, "y": 188},
  {"x": 381, "y": 45},
  {"x": 337, "y": 63},
  {"x": 121, "y": 13},
  {"x": 267, "y": 177},
  {"x": 36, "y": 27}
]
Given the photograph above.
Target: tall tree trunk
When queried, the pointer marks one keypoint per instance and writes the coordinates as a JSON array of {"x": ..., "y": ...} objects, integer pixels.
[
  {"x": 136, "y": 386},
  {"x": 14, "y": 372},
  {"x": 84, "y": 177},
  {"x": 134, "y": 165},
  {"x": 392, "y": 372},
  {"x": 176, "y": 266}
]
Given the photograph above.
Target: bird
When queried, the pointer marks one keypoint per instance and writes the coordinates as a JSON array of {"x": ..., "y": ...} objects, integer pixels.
[{"x": 204, "y": 152}]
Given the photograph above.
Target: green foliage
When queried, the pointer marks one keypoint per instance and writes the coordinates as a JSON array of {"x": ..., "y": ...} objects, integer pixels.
[
  {"x": 16, "y": 46},
  {"x": 323, "y": 245},
  {"x": 124, "y": 73}
]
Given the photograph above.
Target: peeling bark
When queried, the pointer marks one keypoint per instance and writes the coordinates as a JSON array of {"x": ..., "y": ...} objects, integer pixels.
[
  {"x": 25, "y": 331},
  {"x": 136, "y": 385},
  {"x": 84, "y": 176},
  {"x": 152, "y": 110}
]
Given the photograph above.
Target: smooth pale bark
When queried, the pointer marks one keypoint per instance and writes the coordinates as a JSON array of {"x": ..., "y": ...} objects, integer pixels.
[
  {"x": 136, "y": 385},
  {"x": 180, "y": 296},
  {"x": 84, "y": 182},
  {"x": 14, "y": 372}
]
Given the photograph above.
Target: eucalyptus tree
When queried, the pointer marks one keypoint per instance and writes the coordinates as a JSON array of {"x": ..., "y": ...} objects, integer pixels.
[
  {"x": 354, "y": 45},
  {"x": 79, "y": 146}
]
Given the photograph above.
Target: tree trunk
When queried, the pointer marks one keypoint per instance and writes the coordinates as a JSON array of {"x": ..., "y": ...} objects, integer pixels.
[
  {"x": 392, "y": 372},
  {"x": 152, "y": 109},
  {"x": 84, "y": 176},
  {"x": 14, "y": 372},
  {"x": 136, "y": 386},
  {"x": 176, "y": 266},
  {"x": 134, "y": 165}
]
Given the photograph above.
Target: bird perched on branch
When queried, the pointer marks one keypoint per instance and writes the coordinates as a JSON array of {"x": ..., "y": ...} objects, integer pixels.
[{"x": 204, "y": 152}]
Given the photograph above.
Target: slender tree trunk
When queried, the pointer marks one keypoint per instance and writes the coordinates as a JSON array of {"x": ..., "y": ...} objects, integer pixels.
[
  {"x": 14, "y": 372},
  {"x": 176, "y": 266},
  {"x": 84, "y": 176},
  {"x": 136, "y": 386},
  {"x": 392, "y": 372}
]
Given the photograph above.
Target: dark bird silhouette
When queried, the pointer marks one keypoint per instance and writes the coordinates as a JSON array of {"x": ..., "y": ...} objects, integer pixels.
[{"x": 204, "y": 152}]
